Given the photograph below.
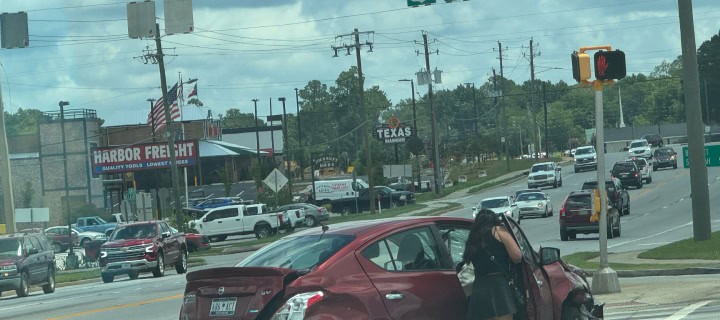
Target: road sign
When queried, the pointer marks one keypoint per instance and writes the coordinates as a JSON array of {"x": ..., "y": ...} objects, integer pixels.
[
  {"x": 275, "y": 180},
  {"x": 32, "y": 215},
  {"x": 415, "y": 3},
  {"x": 712, "y": 156}
]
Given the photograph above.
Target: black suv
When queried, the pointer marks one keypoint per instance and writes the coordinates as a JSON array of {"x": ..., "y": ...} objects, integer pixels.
[
  {"x": 628, "y": 174},
  {"x": 664, "y": 157},
  {"x": 26, "y": 260},
  {"x": 618, "y": 196},
  {"x": 575, "y": 217}
]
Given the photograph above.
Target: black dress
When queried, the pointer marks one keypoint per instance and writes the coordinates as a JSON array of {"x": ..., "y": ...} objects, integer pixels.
[{"x": 491, "y": 295}]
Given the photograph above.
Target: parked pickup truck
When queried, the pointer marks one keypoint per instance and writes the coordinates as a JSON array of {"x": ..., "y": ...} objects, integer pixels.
[
  {"x": 149, "y": 246},
  {"x": 219, "y": 223},
  {"x": 95, "y": 223}
]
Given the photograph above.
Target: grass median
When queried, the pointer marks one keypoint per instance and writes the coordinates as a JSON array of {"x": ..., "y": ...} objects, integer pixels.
[
  {"x": 687, "y": 249},
  {"x": 582, "y": 260},
  {"x": 79, "y": 275}
]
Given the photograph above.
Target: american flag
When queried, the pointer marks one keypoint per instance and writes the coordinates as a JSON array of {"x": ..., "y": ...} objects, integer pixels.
[{"x": 156, "y": 116}]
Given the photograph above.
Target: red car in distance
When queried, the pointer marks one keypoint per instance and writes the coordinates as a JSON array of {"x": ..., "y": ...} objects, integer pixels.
[{"x": 377, "y": 269}]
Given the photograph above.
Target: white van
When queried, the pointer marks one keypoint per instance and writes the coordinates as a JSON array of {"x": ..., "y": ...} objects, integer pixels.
[{"x": 329, "y": 190}]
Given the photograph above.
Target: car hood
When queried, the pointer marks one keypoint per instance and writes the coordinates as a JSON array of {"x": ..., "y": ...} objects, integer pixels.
[
  {"x": 126, "y": 243},
  {"x": 638, "y": 149},
  {"x": 252, "y": 288},
  {"x": 585, "y": 156},
  {"x": 500, "y": 210},
  {"x": 526, "y": 204}
]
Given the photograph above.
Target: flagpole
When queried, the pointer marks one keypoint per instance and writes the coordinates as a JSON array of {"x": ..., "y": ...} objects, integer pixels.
[{"x": 181, "y": 103}]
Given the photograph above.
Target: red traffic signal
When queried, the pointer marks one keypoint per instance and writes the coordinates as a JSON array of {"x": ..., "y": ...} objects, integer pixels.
[{"x": 610, "y": 65}]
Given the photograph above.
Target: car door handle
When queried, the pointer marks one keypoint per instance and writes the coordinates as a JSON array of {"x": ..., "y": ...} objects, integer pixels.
[
  {"x": 219, "y": 221},
  {"x": 539, "y": 283},
  {"x": 237, "y": 219},
  {"x": 394, "y": 296}
]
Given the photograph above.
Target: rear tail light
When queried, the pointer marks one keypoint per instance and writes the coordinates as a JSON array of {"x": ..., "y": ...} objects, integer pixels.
[
  {"x": 319, "y": 210},
  {"x": 562, "y": 209},
  {"x": 636, "y": 174},
  {"x": 295, "y": 307}
]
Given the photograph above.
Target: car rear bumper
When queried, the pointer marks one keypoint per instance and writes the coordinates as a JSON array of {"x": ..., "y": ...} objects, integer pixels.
[
  {"x": 581, "y": 227},
  {"x": 126, "y": 267},
  {"x": 632, "y": 182},
  {"x": 584, "y": 165},
  {"x": 9, "y": 283},
  {"x": 665, "y": 164}
]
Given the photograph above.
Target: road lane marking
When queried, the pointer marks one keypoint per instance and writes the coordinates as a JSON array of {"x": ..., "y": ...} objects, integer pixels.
[
  {"x": 44, "y": 302},
  {"x": 687, "y": 310},
  {"x": 121, "y": 306},
  {"x": 650, "y": 236},
  {"x": 653, "y": 244}
]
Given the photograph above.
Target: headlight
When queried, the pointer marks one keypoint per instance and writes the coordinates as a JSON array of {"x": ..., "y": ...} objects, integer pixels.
[
  {"x": 103, "y": 254},
  {"x": 672, "y": 157},
  {"x": 402, "y": 197},
  {"x": 508, "y": 213},
  {"x": 11, "y": 267},
  {"x": 540, "y": 205}
]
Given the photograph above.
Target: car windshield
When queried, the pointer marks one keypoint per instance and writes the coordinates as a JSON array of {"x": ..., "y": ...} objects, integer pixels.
[
  {"x": 10, "y": 247},
  {"x": 581, "y": 151},
  {"x": 639, "y": 144},
  {"x": 298, "y": 253},
  {"x": 494, "y": 203},
  {"x": 639, "y": 162},
  {"x": 138, "y": 231},
  {"x": 627, "y": 166},
  {"x": 664, "y": 152},
  {"x": 541, "y": 167},
  {"x": 531, "y": 197}
]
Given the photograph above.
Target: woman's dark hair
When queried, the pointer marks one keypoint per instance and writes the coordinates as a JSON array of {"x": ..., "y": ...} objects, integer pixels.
[{"x": 485, "y": 220}]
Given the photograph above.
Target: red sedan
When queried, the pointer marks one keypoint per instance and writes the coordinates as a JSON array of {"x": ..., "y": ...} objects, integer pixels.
[{"x": 378, "y": 269}]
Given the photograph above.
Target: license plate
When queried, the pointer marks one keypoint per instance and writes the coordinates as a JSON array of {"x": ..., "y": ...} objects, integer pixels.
[
  {"x": 126, "y": 266},
  {"x": 624, "y": 175},
  {"x": 223, "y": 307}
]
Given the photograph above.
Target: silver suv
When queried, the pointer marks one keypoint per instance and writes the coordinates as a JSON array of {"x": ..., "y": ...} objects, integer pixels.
[{"x": 585, "y": 158}]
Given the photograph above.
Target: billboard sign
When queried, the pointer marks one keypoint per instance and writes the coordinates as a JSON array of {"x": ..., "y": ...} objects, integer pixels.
[{"x": 143, "y": 157}]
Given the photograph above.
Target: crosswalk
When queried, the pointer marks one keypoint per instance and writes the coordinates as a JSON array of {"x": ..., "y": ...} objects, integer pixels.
[{"x": 703, "y": 310}]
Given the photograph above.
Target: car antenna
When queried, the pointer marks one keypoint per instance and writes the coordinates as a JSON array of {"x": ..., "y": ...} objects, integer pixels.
[{"x": 325, "y": 228}]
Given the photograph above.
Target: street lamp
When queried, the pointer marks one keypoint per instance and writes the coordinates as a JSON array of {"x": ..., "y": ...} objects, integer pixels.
[
  {"x": 71, "y": 261},
  {"x": 417, "y": 157}
]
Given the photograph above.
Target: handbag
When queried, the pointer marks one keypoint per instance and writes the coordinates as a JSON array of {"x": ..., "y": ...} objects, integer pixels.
[
  {"x": 466, "y": 275},
  {"x": 518, "y": 296}
]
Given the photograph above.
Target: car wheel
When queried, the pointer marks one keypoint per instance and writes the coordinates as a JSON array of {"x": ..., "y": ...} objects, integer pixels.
[
  {"x": 49, "y": 287},
  {"x": 555, "y": 184},
  {"x": 675, "y": 165},
  {"x": 572, "y": 235},
  {"x": 610, "y": 232},
  {"x": 576, "y": 170},
  {"x": 107, "y": 278},
  {"x": 563, "y": 235},
  {"x": 56, "y": 247},
  {"x": 262, "y": 231},
  {"x": 545, "y": 214},
  {"x": 616, "y": 233},
  {"x": 84, "y": 241},
  {"x": 560, "y": 184},
  {"x": 133, "y": 275},
  {"x": 159, "y": 270},
  {"x": 649, "y": 180},
  {"x": 24, "y": 289},
  {"x": 181, "y": 265},
  {"x": 655, "y": 168},
  {"x": 309, "y": 221},
  {"x": 627, "y": 210},
  {"x": 639, "y": 184}
]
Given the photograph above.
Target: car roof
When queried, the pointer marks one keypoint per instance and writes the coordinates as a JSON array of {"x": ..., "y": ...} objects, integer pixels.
[
  {"x": 141, "y": 223},
  {"x": 533, "y": 192},
  {"x": 585, "y": 147},
  {"x": 365, "y": 227}
]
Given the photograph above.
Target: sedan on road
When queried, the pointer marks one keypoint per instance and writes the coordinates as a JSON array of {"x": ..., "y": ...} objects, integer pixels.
[
  {"x": 534, "y": 204},
  {"x": 377, "y": 269},
  {"x": 500, "y": 205},
  {"x": 664, "y": 157}
]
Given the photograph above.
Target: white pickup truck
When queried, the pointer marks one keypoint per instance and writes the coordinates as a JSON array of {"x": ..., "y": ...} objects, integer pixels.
[{"x": 219, "y": 223}]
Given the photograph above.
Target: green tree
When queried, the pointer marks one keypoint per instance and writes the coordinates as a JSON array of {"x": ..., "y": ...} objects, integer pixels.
[
  {"x": 23, "y": 121},
  {"x": 234, "y": 119},
  {"x": 27, "y": 194}
]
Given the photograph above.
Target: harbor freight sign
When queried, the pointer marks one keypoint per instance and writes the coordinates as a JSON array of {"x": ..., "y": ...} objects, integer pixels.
[
  {"x": 712, "y": 156},
  {"x": 143, "y": 157}
]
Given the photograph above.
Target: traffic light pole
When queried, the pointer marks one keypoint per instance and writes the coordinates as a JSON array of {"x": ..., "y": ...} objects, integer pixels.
[{"x": 605, "y": 280}]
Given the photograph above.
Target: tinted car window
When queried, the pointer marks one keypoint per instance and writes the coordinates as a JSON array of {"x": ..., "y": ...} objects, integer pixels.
[
  {"x": 581, "y": 151},
  {"x": 455, "y": 239},
  {"x": 638, "y": 144},
  {"x": 35, "y": 243},
  {"x": 299, "y": 253},
  {"x": 624, "y": 167},
  {"x": 10, "y": 247},
  {"x": 542, "y": 167},
  {"x": 579, "y": 202},
  {"x": 664, "y": 152}
]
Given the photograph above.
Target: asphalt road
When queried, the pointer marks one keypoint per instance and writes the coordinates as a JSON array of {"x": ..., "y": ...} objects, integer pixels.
[
  {"x": 660, "y": 212},
  {"x": 145, "y": 298}
]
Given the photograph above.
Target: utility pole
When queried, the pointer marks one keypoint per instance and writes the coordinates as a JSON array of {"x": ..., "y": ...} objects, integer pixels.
[
  {"x": 693, "y": 113},
  {"x": 169, "y": 131},
  {"x": 257, "y": 133},
  {"x": 497, "y": 119},
  {"x": 502, "y": 108},
  {"x": 433, "y": 121},
  {"x": 532, "y": 99},
  {"x": 475, "y": 125},
  {"x": 286, "y": 156},
  {"x": 272, "y": 135},
  {"x": 6, "y": 178},
  {"x": 355, "y": 35},
  {"x": 417, "y": 157},
  {"x": 300, "y": 161},
  {"x": 547, "y": 144}
]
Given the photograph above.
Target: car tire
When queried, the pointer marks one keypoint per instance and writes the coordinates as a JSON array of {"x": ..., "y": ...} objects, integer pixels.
[
  {"x": 649, "y": 180},
  {"x": 49, "y": 287},
  {"x": 627, "y": 210},
  {"x": 24, "y": 289},
  {"x": 545, "y": 214},
  {"x": 84, "y": 241},
  {"x": 616, "y": 233},
  {"x": 133, "y": 275},
  {"x": 675, "y": 166},
  {"x": 563, "y": 235},
  {"x": 159, "y": 270},
  {"x": 610, "y": 232},
  {"x": 107, "y": 278},
  {"x": 262, "y": 231},
  {"x": 576, "y": 170},
  {"x": 57, "y": 247},
  {"x": 309, "y": 221},
  {"x": 181, "y": 265},
  {"x": 560, "y": 185},
  {"x": 555, "y": 184},
  {"x": 655, "y": 168},
  {"x": 572, "y": 235},
  {"x": 639, "y": 185}
]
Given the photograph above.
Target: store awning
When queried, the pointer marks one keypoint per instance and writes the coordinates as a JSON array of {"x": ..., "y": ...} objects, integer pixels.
[{"x": 213, "y": 148}]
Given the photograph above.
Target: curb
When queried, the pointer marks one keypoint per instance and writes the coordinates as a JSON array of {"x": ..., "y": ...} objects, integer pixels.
[{"x": 661, "y": 272}]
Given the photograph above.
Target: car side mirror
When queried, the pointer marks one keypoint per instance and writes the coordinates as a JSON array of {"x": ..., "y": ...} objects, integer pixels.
[
  {"x": 474, "y": 208},
  {"x": 558, "y": 169},
  {"x": 32, "y": 251},
  {"x": 526, "y": 172},
  {"x": 205, "y": 219},
  {"x": 549, "y": 255},
  {"x": 165, "y": 234}
]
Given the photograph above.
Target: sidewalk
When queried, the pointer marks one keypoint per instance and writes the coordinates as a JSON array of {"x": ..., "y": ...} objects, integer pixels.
[
  {"x": 638, "y": 293},
  {"x": 632, "y": 258}
]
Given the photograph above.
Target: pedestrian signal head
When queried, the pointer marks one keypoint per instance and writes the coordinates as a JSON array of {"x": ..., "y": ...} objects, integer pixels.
[
  {"x": 580, "y": 66},
  {"x": 610, "y": 65}
]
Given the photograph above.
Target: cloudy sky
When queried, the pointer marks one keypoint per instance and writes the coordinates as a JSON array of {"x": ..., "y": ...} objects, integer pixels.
[{"x": 243, "y": 49}]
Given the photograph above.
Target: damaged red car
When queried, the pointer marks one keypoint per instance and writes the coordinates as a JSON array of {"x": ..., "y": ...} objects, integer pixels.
[{"x": 378, "y": 269}]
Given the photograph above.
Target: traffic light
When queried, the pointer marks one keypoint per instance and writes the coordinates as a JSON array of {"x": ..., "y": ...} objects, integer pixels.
[
  {"x": 610, "y": 65},
  {"x": 580, "y": 66}
]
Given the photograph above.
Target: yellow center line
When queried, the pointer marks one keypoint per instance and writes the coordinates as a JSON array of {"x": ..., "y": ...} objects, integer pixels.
[
  {"x": 677, "y": 175},
  {"x": 121, "y": 306}
]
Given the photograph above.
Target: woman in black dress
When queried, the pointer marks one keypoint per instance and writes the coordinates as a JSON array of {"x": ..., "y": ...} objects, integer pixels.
[{"x": 490, "y": 248}]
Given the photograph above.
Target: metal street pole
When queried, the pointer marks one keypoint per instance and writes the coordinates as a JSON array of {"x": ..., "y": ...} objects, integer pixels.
[
  {"x": 286, "y": 156},
  {"x": 302, "y": 158},
  {"x": 417, "y": 157},
  {"x": 272, "y": 136},
  {"x": 693, "y": 114},
  {"x": 547, "y": 144},
  {"x": 257, "y": 132},
  {"x": 605, "y": 279},
  {"x": 435, "y": 144},
  {"x": 71, "y": 260},
  {"x": 169, "y": 129},
  {"x": 5, "y": 173}
]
